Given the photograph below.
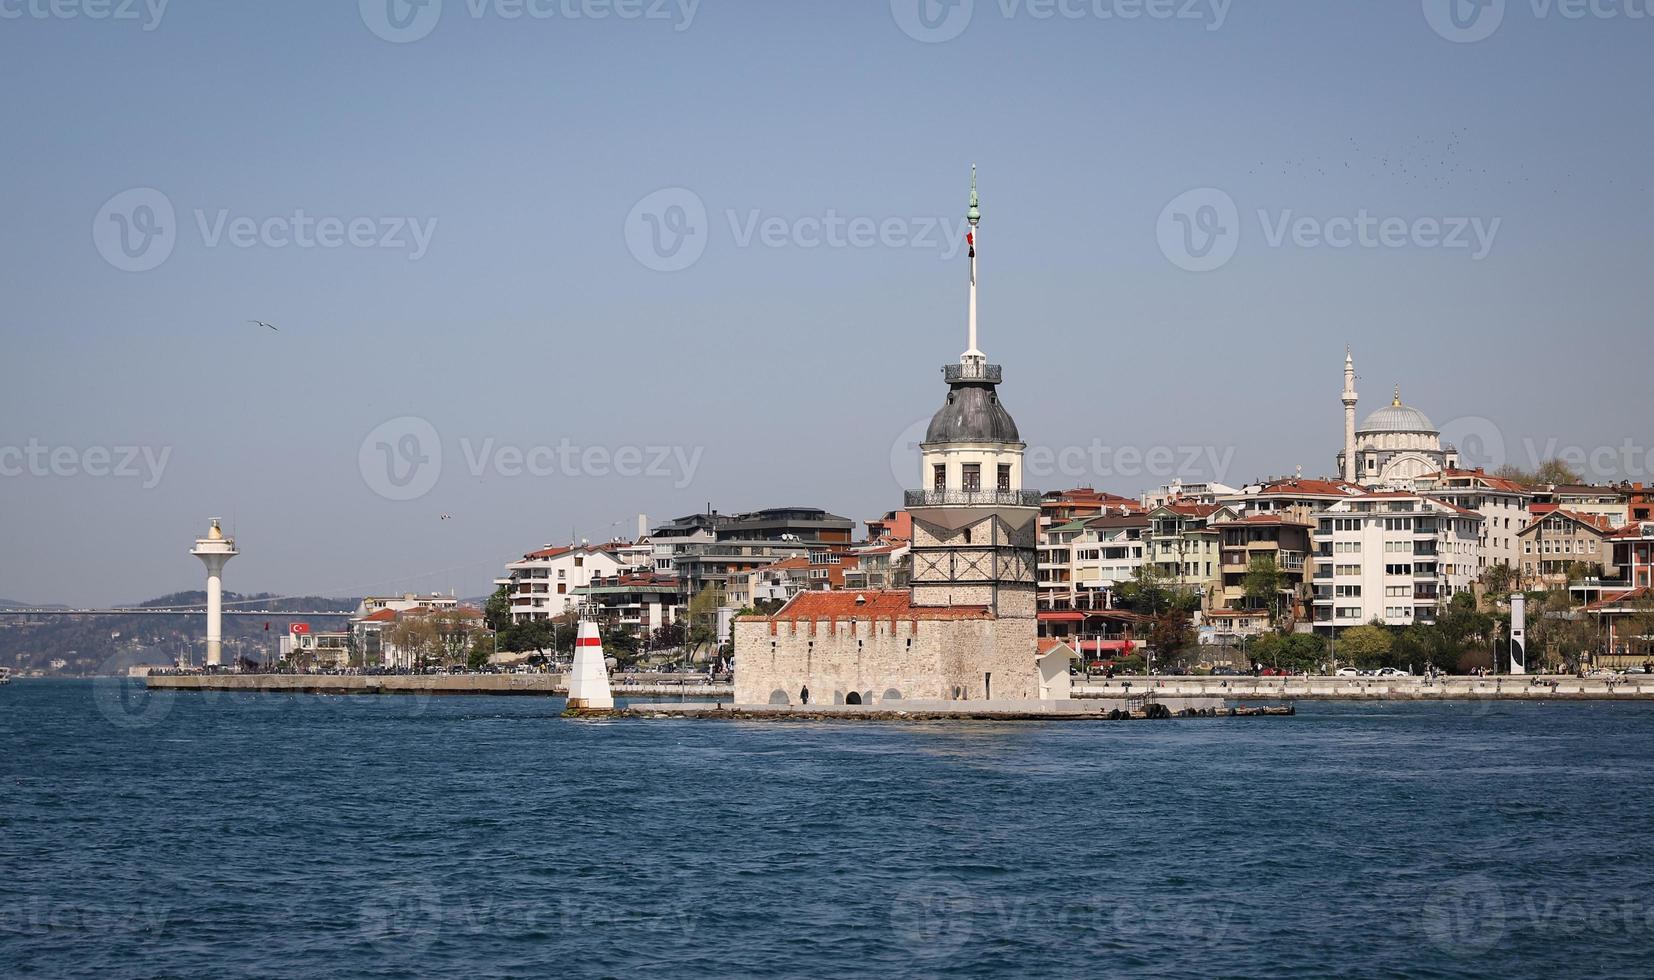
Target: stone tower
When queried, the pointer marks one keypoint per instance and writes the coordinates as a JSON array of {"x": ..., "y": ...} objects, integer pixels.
[{"x": 974, "y": 527}]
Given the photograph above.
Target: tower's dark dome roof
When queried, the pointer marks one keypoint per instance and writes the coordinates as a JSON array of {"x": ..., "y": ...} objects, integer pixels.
[{"x": 972, "y": 414}]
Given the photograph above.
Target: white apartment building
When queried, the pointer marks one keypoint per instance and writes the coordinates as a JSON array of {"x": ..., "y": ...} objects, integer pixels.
[
  {"x": 1082, "y": 559},
  {"x": 1393, "y": 557},
  {"x": 543, "y": 583},
  {"x": 1503, "y": 502}
]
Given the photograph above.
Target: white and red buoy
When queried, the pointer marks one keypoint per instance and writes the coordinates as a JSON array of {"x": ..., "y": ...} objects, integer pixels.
[{"x": 589, "y": 680}]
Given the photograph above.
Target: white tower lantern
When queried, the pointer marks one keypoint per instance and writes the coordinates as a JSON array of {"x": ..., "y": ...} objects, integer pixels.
[{"x": 215, "y": 550}]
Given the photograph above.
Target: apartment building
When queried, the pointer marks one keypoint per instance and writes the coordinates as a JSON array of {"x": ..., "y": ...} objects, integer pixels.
[
  {"x": 1504, "y": 504},
  {"x": 1283, "y": 539},
  {"x": 543, "y": 584},
  {"x": 1183, "y": 547},
  {"x": 1558, "y": 541},
  {"x": 1394, "y": 557},
  {"x": 1082, "y": 560}
]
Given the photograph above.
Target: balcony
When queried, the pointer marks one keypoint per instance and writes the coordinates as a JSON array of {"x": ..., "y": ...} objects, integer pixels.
[
  {"x": 990, "y": 373},
  {"x": 966, "y": 498}
]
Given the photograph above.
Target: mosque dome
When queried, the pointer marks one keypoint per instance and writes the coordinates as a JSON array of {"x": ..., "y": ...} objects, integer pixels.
[{"x": 1397, "y": 417}]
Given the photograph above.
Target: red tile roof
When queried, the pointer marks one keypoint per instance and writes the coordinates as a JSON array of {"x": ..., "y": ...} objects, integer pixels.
[
  {"x": 1314, "y": 488},
  {"x": 1263, "y": 520},
  {"x": 867, "y": 604},
  {"x": 1490, "y": 482}
]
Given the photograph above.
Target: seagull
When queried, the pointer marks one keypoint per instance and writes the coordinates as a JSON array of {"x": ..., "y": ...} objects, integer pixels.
[
  {"x": 447, "y": 517},
  {"x": 263, "y": 324}
]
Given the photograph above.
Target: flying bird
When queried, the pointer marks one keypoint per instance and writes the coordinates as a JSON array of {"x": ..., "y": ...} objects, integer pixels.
[{"x": 263, "y": 324}]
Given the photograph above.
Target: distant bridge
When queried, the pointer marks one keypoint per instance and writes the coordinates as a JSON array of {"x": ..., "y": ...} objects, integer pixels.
[{"x": 178, "y": 611}]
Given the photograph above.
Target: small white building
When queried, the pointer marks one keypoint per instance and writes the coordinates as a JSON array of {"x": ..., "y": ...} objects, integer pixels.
[{"x": 1393, "y": 557}]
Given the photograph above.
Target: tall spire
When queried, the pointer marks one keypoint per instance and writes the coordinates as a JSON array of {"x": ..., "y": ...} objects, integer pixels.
[{"x": 974, "y": 216}]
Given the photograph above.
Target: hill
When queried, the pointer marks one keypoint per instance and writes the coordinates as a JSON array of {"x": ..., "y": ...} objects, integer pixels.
[{"x": 71, "y": 645}]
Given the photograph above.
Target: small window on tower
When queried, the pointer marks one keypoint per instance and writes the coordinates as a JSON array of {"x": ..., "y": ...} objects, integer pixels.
[
  {"x": 972, "y": 478},
  {"x": 940, "y": 481},
  {"x": 1004, "y": 478}
]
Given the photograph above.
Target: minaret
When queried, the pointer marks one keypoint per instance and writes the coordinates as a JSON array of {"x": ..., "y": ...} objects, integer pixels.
[
  {"x": 215, "y": 550},
  {"x": 1350, "y": 472}
]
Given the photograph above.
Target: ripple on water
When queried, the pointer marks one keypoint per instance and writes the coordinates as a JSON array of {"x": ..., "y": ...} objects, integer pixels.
[{"x": 392, "y": 837}]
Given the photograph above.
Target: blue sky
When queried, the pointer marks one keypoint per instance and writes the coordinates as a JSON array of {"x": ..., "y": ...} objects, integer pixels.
[{"x": 769, "y": 372}]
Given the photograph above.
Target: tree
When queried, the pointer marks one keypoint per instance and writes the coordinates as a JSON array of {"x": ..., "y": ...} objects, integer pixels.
[
  {"x": 1170, "y": 633},
  {"x": 703, "y": 616},
  {"x": 1636, "y": 631},
  {"x": 496, "y": 612},
  {"x": 1551, "y": 471},
  {"x": 1264, "y": 583},
  {"x": 1497, "y": 581},
  {"x": 482, "y": 648},
  {"x": 415, "y": 638},
  {"x": 668, "y": 636},
  {"x": 1365, "y": 646},
  {"x": 1146, "y": 593}
]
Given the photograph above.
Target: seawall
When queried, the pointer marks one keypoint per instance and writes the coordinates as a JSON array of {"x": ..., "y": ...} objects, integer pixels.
[
  {"x": 527, "y": 685},
  {"x": 1531, "y": 688}
]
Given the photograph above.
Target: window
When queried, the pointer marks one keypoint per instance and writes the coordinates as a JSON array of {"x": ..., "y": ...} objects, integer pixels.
[
  {"x": 972, "y": 478},
  {"x": 940, "y": 477},
  {"x": 1004, "y": 478}
]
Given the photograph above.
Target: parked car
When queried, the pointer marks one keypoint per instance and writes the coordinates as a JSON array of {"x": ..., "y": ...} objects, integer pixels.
[
  {"x": 1348, "y": 672},
  {"x": 1394, "y": 672}
]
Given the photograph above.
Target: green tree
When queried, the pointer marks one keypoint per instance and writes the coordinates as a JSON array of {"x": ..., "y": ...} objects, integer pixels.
[
  {"x": 1365, "y": 646},
  {"x": 482, "y": 648},
  {"x": 496, "y": 612},
  {"x": 1497, "y": 581},
  {"x": 1264, "y": 583},
  {"x": 1147, "y": 592}
]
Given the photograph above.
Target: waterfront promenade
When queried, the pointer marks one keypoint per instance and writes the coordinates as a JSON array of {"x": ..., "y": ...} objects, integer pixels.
[
  {"x": 1530, "y": 688},
  {"x": 528, "y": 685}
]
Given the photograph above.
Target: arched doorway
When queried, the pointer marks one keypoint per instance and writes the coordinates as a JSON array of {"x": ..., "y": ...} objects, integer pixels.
[{"x": 852, "y": 698}]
